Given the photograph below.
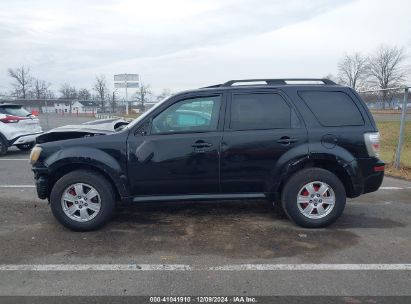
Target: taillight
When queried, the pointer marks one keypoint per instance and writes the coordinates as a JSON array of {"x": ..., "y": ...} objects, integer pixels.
[
  {"x": 11, "y": 119},
  {"x": 372, "y": 142}
]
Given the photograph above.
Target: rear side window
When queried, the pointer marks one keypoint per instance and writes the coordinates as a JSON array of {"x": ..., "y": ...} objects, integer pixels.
[
  {"x": 333, "y": 109},
  {"x": 261, "y": 111}
]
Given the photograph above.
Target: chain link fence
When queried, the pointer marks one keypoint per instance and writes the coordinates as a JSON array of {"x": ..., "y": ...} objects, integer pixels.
[{"x": 391, "y": 109}]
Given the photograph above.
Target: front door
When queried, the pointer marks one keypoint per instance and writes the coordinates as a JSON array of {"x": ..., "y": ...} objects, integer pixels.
[
  {"x": 260, "y": 128},
  {"x": 180, "y": 154}
]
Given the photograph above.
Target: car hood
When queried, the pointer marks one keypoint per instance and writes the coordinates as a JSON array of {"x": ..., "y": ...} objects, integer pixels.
[{"x": 89, "y": 129}]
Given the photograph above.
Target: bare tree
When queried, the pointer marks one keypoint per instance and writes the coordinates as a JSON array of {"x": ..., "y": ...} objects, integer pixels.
[
  {"x": 113, "y": 102},
  {"x": 332, "y": 78},
  {"x": 22, "y": 81},
  {"x": 143, "y": 94},
  {"x": 100, "y": 87},
  {"x": 164, "y": 94},
  {"x": 386, "y": 69},
  {"x": 40, "y": 89},
  {"x": 84, "y": 94},
  {"x": 352, "y": 70},
  {"x": 68, "y": 92}
]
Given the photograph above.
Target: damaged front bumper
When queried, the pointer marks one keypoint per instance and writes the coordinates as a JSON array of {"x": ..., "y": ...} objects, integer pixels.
[
  {"x": 41, "y": 181},
  {"x": 24, "y": 139},
  {"x": 42, "y": 187}
]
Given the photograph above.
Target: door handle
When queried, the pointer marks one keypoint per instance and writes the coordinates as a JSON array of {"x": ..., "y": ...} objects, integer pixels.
[
  {"x": 285, "y": 140},
  {"x": 201, "y": 144}
]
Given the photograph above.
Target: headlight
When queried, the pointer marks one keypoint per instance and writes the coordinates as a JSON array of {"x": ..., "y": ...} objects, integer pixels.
[{"x": 35, "y": 154}]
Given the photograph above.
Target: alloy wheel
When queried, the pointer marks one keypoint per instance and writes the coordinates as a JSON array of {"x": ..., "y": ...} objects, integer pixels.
[
  {"x": 81, "y": 202},
  {"x": 316, "y": 200}
]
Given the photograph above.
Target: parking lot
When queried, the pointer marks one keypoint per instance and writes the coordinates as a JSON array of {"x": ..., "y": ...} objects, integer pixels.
[{"x": 209, "y": 248}]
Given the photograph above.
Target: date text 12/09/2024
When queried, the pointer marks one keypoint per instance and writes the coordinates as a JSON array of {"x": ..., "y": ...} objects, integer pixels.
[{"x": 203, "y": 299}]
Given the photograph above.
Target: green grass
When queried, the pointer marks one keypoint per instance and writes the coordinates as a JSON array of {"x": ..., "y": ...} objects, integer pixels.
[{"x": 389, "y": 131}]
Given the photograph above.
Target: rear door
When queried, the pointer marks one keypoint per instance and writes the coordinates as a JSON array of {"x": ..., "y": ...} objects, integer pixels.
[{"x": 259, "y": 128}]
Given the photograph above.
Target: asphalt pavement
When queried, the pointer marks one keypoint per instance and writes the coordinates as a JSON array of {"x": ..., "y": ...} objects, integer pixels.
[{"x": 203, "y": 248}]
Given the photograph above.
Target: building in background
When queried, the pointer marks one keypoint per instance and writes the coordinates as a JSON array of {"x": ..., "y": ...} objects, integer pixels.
[
  {"x": 58, "y": 106},
  {"x": 77, "y": 106}
]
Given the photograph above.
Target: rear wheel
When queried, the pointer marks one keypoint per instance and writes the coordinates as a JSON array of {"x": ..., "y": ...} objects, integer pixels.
[
  {"x": 25, "y": 147},
  {"x": 314, "y": 198},
  {"x": 3, "y": 146},
  {"x": 82, "y": 200}
]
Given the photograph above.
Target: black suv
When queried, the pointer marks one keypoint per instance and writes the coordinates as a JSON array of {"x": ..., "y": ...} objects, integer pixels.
[{"x": 304, "y": 143}]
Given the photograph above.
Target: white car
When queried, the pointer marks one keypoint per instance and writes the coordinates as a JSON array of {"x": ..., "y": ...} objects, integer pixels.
[{"x": 18, "y": 127}]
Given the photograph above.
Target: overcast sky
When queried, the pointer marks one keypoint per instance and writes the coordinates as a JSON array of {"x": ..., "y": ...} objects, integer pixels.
[{"x": 180, "y": 44}]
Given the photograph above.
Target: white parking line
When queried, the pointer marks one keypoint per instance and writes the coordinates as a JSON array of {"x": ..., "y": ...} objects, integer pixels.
[
  {"x": 391, "y": 188},
  {"x": 17, "y": 186},
  {"x": 95, "y": 267},
  {"x": 25, "y": 159},
  {"x": 305, "y": 267},
  {"x": 181, "y": 267}
]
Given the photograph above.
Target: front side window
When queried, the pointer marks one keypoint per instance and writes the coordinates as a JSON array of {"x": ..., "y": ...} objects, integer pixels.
[
  {"x": 198, "y": 114},
  {"x": 261, "y": 111}
]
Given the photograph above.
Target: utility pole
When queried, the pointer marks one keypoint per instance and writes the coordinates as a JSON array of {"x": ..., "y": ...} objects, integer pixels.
[
  {"x": 114, "y": 101},
  {"x": 402, "y": 123}
]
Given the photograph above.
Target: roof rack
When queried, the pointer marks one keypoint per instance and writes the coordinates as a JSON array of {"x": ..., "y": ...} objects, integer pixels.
[
  {"x": 275, "y": 81},
  {"x": 280, "y": 81}
]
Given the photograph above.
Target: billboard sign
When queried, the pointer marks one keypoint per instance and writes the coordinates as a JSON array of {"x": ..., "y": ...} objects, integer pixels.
[
  {"x": 127, "y": 77},
  {"x": 119, "y": 85},
  {"x": 126, "y": 81}
]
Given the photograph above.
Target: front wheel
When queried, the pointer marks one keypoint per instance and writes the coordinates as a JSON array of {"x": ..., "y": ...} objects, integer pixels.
[
  {"x": 82, "y": 200},
  {"x": 313, "y": 198}
]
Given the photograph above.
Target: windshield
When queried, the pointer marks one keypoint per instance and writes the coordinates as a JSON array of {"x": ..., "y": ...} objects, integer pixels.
[
  {"x": 145, "y": 114},
  {"x": 14, "y": 110}
]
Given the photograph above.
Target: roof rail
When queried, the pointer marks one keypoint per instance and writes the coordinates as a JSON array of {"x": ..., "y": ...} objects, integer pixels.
[
  {"x": 279, "y": 81},
  {"x": 212, "y": 86}
]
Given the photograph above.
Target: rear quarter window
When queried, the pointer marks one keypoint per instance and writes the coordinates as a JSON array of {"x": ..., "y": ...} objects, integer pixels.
[{"x": 333, "y": 108}]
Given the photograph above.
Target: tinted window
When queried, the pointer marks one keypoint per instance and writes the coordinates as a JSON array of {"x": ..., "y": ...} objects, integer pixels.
[
  {"x": 14, "y": 110},
  {"x": 333, "y": 108},
  {"x": 261, "y": 111},
  {"x": 188, "y": 115}
]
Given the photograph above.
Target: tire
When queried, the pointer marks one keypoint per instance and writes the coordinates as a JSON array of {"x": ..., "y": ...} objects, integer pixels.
[
  {"x": 3, "y": 146},
  {"x": 25, "y": 147},
  {"x": 319, "y": 210},
  {"x": 83, "y": 179}
]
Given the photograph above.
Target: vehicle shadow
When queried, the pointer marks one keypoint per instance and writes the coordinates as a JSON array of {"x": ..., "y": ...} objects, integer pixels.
[
  {"x": 352, "y": 221},
  {"x": 229, "y": 229},
  {"x": 235, "y": 229},
  {"x": 236, "y": 210}
]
